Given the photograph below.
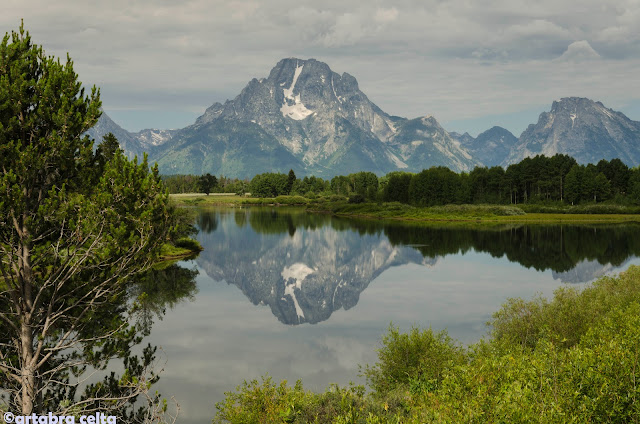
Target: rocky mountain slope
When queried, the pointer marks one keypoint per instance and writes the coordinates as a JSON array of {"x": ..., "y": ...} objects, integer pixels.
[
  {"x": 491, "y": 147},
  {"x": 581, "y": 128},
  {"x": 306, "y": 117},
  {"x": 134, "y": 144}
]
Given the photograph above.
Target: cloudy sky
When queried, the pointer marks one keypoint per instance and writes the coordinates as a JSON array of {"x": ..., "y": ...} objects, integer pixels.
[{"x": 471, "y": 64}]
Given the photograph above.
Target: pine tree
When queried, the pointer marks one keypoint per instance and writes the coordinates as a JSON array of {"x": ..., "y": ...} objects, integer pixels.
[
  {"x": 291, "y": 180},
  {"x": 74, "y": 227}
]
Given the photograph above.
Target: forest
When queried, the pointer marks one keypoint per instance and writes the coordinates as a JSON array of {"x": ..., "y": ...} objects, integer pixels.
[{"x": 539, "y": 180}]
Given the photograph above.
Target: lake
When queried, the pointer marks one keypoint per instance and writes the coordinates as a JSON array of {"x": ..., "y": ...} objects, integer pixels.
[{"x": 308, "y": 296}]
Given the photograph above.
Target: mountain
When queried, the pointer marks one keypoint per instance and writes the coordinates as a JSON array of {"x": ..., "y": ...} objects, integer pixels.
[
  {"x": 134, "y": 144},
  {"x": 583, "y": 129},
  {"x": 465, "y": 138},
  {"x": 302, "y": 116},
  {"x": 422, "y": 143},
  {"x": 129, "y": 143},
  {"x": 306, "y": 117},
  {"x": 491, "y": 147}
]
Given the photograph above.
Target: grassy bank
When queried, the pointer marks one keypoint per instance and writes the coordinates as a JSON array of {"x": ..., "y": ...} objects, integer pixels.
[
  {"x": 573, "y": 358},
  {"x": 235, "y": 200},
  {"x": 337, "y": 205},
  {"x": 472, "y": 213},
  {"x": 181, "y": 249}
]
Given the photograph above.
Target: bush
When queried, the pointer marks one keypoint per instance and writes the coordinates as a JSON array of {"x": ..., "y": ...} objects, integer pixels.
[
  {"x": 337, "y": 198},
  {"x": 418, "y": 357},
  {"x": 291, "y": 200},
  {"x": 262, "y": 403},
  {"x": 278, "y": 403},
  {"x": 189, "y": 243}
]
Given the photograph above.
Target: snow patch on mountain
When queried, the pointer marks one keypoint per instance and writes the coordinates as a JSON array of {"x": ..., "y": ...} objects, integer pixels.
[{"x": 297, "y": 110}]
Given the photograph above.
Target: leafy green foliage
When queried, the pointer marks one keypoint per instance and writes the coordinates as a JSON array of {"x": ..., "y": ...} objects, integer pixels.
[
  {"x": 291, "y": 179},
  {"x": 269, "y": 185},
  {"x": 207, "y": 183},
  {"x": 568, "y": 316},
  {"x": 542, "y": 184},
  {"x": 419, "y": 355},
  {"x": 397, "y": 187},
  {"x": 181, "y": 183}
]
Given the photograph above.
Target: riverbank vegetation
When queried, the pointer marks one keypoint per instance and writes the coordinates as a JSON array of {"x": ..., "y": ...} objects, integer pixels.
[
  {"x": 550, "y": 183},
  {"x": 340, "y": 206},
  {"x": 573, "y": 358}
]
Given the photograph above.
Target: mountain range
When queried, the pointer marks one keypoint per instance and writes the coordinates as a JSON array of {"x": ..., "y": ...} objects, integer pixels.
[{"x": 306, "y": 117}]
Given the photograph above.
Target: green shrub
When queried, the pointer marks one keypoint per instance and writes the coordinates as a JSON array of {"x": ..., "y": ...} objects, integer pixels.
[
  {"x": 419, "y": 357},
  {"x": 262, "y": 403},
  {"x": 291, "y": 200},
  {"x": 189, "y": 243},
  {"x": 270, "y": 403},
  {"x": 337, "y": 198},
  {"x": 569, "y": 315}
]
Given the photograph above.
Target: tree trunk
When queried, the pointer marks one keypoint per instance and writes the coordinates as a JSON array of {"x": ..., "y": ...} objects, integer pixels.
[
  {"x": 28, "y": 373},
  {"x": 29, "y": 383},
  {"x": 561, "y": 197}
]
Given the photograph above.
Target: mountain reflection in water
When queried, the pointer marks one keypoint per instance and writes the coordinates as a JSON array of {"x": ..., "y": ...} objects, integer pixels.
[{"x": 306, "y": 266}]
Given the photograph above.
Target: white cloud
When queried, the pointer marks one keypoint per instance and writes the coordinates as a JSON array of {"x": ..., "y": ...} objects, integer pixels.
[
  {"x": 386, "y": 15},
  {"x": 536, "y": 28},
  {"x": 579, "y": 51}
]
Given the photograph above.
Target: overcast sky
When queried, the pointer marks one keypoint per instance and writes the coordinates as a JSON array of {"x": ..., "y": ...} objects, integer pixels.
[{"x": 471, "y": 64}]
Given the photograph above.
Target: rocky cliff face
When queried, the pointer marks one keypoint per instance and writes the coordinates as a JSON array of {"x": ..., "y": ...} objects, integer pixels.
[
  {"x": 306, "y": 117},
  {"x": 583, "y": 129},
  {"x": 422, "y": 143},
  {"x": 128, "y": 142}
]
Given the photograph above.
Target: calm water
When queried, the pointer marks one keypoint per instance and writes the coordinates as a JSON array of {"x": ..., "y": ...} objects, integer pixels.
[{"x": 307, "y": 296}]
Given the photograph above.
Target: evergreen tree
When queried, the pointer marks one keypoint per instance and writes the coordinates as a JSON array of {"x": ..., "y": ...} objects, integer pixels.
[
  {"x": 291, "y": 179},
  {"x": 74, "y": 227},
  {"x": 572, "y": 184}
]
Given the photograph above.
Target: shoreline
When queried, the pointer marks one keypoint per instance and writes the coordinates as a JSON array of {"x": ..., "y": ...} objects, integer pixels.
[{"x": 464, "y": 214}]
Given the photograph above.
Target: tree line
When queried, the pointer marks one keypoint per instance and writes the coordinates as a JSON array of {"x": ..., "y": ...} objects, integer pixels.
[{"x": 541, "y": 179}]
